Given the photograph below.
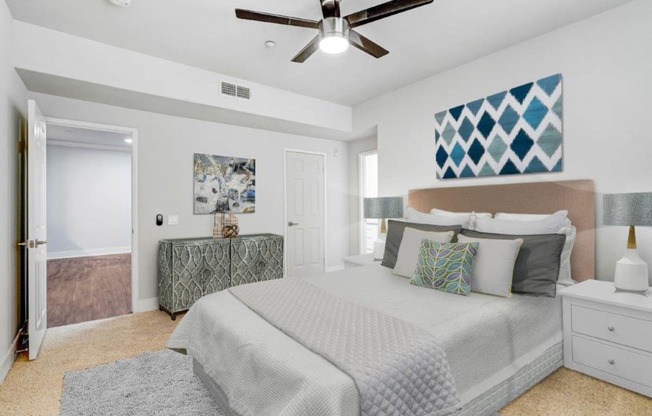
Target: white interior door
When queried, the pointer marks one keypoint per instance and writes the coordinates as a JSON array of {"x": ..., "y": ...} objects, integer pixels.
[
  {"x": 36, "y": 229},
  {"x": 305, "y": 213}
]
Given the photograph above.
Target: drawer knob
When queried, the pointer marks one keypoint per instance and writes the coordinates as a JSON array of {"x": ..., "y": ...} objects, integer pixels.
[
  {"x": 611, "y": 328},
  {"x": 611, "y": 361}
]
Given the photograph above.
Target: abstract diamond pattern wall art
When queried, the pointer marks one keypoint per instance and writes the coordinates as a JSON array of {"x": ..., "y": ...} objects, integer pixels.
[{"x": 512, "y": 132}]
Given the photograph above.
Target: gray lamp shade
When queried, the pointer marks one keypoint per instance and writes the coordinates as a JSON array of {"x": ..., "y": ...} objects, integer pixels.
[
  {"x": 628, "y": 209},
  {"x": 385, "y": 207}
]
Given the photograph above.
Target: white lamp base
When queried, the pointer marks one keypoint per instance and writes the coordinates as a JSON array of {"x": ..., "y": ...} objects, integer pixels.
[{"x": 631, "y": 273}]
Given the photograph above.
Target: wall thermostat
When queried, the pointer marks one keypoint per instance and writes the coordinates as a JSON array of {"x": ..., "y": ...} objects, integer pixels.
[{"x": 159, "y": 219}]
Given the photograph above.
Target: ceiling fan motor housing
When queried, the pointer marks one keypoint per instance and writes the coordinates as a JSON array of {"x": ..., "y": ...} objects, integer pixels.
[{"x": 334, "y": 26}]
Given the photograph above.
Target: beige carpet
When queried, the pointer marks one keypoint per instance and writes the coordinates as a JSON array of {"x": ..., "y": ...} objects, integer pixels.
[{"x": 34, "y": 388}]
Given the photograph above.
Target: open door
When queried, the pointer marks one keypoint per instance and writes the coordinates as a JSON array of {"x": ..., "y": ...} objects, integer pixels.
[{"x": 36, "y": 229}]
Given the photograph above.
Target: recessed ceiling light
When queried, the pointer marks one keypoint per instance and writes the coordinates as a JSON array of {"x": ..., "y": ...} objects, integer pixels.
[
  {"x": 129, "y": 141},
  {"x": 270, "y": 44},
  {"x": 121, "y": 3}
]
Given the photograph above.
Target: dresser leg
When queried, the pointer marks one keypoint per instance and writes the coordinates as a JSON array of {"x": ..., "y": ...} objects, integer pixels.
[{"x": 173, "y": 315}]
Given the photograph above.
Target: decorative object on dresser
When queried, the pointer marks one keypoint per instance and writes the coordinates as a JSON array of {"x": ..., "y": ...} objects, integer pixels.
[
  {"x": 218, "y": 224},
  {"x": 608, "y": 334},
  {"x": 630, "y": 210},
  {"x": 224, "y": 184},
  {"x": 192, "y": 268},
  {"x": 383, "y": 208},
  {"x": 225, "y": 226},
  {"x": 511, "y": 132}
]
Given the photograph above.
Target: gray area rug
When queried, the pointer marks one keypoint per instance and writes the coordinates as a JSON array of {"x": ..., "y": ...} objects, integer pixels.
[{"x": 156, "y": 383}]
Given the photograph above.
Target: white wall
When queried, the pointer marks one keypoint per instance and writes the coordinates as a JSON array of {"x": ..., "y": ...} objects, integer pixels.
[
  {"x": 165, "y": 151},
  {"x": 88, "y": 201},
  {"x": 13, "y": 107},
  {"x": 355, "y": 148},
  {"x": 606, "y": 63}
]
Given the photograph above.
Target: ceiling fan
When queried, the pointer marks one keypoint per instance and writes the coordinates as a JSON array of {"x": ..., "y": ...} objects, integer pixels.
[{"x": 336, "y": 32}]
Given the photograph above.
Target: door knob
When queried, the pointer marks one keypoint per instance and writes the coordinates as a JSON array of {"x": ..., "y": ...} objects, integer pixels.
[
  {"x": 31, "y": 243},
  {"x": 292, "y": 224}
]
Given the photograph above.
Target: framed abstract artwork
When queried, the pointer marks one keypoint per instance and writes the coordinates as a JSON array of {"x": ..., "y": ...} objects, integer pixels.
[
  {"x": 512, "y": 132},
  {"x": 224, "y": 184}
]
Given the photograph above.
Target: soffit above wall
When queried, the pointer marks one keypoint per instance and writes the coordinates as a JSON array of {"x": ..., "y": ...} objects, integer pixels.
[{"x": 52, "y": 85}]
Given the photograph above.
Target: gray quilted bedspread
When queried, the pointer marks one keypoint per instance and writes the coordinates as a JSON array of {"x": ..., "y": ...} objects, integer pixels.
[{"x": 398, "y": 368}]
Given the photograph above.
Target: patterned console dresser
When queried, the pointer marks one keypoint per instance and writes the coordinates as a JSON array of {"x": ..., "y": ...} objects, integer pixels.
[{"x": 193, "y": 267}]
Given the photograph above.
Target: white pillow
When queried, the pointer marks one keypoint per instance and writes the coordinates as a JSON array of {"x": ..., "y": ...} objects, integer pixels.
[
  {"x": 408, "y": 252},
  {"x": 493, "y": 267},
  {"x": 424, "y": 218},
  {"x": 565, "y": 265},
  {"x": 527, "y": 217},
  {"x": 451, "y": 213},
  {"x": 551, "y": 224}
]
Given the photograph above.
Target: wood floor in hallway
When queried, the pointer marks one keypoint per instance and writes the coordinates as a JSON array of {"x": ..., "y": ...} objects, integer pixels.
[{"x": 85, "y": 289}]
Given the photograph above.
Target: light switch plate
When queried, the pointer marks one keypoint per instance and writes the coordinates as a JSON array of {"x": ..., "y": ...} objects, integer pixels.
[{"x": 173, "y": 219}]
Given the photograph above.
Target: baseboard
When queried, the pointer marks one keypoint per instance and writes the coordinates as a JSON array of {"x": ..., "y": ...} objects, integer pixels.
[
  {"x": 335, "y": 268},
  {"x": 8, "y": 360},
  {"x": 88, "y": 253},
  {"x": 146, "y": 305}
]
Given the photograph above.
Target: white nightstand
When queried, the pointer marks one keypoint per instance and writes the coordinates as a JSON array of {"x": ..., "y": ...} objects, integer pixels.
[
  {"x": 359, "y": 260},
  {"x": 608, "y": 335}
]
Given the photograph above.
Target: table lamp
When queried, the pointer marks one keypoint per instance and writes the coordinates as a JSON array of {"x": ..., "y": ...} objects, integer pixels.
[
  {"x": 631, "y": 210},
  {"x": 383, "y": 208}
]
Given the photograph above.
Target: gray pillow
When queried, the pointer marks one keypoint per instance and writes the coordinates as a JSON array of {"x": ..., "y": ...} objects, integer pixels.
[
  {"x": 537, "y": 264},
  {"x": 395, "y": 236}
]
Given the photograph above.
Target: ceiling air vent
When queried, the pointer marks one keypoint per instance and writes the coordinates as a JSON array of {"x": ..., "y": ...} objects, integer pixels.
[
  {"x": 233, "y": 90},
  {"x": 244, "y": 92},
  {"x": 228, "y": 89}
]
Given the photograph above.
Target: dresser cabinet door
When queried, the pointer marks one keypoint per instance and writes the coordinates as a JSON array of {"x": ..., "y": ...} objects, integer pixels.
[
  {"x": 255, "y": 259},
  {"x": 188, "y": 285},
  {"x": 216, "y": 267}
]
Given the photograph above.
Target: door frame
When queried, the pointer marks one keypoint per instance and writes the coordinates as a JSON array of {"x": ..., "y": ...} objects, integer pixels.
[
  {"x": 361, "y": 219},
  {"x": 135, "y": 308},
  {"x": 285, "y": 203}
]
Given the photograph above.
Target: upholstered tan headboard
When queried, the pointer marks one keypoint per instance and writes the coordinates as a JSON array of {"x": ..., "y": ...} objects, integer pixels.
[{"x": 527, "y": 198}]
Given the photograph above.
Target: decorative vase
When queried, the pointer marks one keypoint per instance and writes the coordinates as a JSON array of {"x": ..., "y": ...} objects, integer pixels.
[{"x": 218, "y": 225}]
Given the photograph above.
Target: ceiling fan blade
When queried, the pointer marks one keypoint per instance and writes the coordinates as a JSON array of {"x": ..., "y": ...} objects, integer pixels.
[
  {"x": 383, "y": 10},
  {"x": 366, "y": 45},
  {"x": 330, "y": 8},
  {"x": 275, "y": 18},
  {"x": 307, "y": 51}
]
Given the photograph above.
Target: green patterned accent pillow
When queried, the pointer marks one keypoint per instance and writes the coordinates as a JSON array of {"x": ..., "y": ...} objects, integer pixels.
[{"x": 445, "y": 266}]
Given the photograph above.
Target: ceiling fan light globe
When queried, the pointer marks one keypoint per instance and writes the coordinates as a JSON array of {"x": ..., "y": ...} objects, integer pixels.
[{"x": 333, "y": 44}]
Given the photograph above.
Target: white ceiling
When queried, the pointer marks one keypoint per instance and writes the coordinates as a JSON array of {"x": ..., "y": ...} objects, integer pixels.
[
  {"x": 82, "y": 136},
  {"x": 206, "y": 34}
]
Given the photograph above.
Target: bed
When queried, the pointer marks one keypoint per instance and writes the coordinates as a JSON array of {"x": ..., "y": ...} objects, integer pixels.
[{"x": 495, "y": 348}]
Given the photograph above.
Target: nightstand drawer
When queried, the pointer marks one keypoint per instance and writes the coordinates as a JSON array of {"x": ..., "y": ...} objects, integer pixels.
[
  {"x": 621, "y": 329},
  {"x": 624, "y": 364}
]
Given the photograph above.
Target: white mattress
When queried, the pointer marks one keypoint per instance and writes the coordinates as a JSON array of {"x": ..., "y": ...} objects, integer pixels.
[{"x": 262, "y": 371}]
